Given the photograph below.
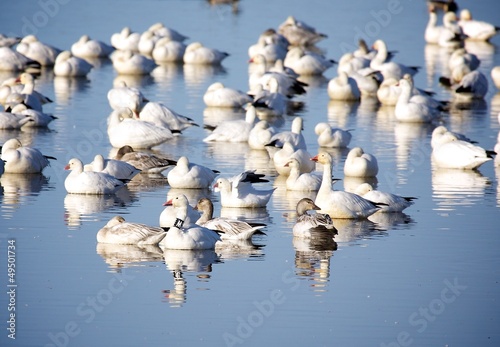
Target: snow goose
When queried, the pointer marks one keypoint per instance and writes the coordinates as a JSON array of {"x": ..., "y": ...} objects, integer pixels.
[
  {"x": 26, "y": 95},
  {"x": 303, "y": 181},
  {"x": 89, "y": 182},
  {"x": 9, "y": 120},
  {"x": 113, "y": 167},
  {"x": 85, "y": 47},
  {"x": 432, "y": 30},
  {"x": 147, "y": 42},
  {"x": 168, "y": 215},
  {"x": 349, "y": 63},
  {"x": 167, "y": 50},
  {"x": 475, "y": 29},
  {"x": 11, "y": 60},
  {"x": 39, "y": 119},
  {"x": 393, "y": 202},
  {"x": 260, "y": 135},
  {"x": 340, "y": 204},
  {"x": 239, "y": 191},
  {"x": 368, "y": 81},
  {"x": 307, "y": 221},
  {"x": 343, "y": 87},
  {"x": 188, "y": 175},
  {"x": 67, "y": 65},
  {"x": 307, "y": 63},
  {"x": 495, "y": 76},
  {"x": 389, "y": 69},
  {"x": 131, "y": 63},
  {"x": 460, "y": 56},
  {"x": 474, "y": 85},
  {"x": 125, "y": 40},
  {"x": 146, "y": 162},
  {"x": 438, "y": 138},
  {"x": 163, "y": 116},
  {"x": 180, "y": 236},
  {"x": 360, "y": 164},
  {"x": 159, "y": 29},
  {"x": 229, "y": 229},
  {"x": 120, "y": 232},
  {"x": 457, "y": 154},
  {"x": 412, "y": 110},
  {"x": 21, "y": 159},
  {"x": 271, "y": 45},
  {"x": 331, "y": 137},
  {"x": 233, "y": 130},
  {"x": 287, "y": 152},
  {"x": 37, "y": 51},
  {"x": 298, "y": 33},
  {"x": 121, "y": 96},
  {"x": 218, "y": 95},
  {"x": 124, "y": 130},
  {"x": 452, "y": 35},
  {"x": 294, "y": 136},
  {"x": 271, "y": 103},
  {"x": 196, "y": 53},
  {"x": 9, "y": 41}
]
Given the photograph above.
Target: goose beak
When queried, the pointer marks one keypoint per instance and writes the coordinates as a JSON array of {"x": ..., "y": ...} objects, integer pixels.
[
  {"x": 66, "y": 167},
  {"x": 315, "y": 158},
  {"x": 168, "y": 203}
]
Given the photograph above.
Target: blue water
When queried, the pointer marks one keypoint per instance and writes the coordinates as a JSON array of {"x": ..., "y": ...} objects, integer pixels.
[{"x": 428, "y": 276}]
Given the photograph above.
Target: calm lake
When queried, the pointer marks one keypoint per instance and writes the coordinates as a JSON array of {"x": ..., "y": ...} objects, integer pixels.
[{"x": 426, "y": 277}]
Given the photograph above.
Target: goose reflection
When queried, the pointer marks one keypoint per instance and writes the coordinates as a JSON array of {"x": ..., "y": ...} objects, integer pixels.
[
  {"x": 18, "y": 189},
  {"x": 411, "y": 149},
  {"x": 339, "y": 112},
  {"x": 196, "y": 75},
  {"x": 351, "y": 231},
  {"x": 215, "y": 115},
  {"x": 312, "y": 258},
  {"x": 147, "y": 183},
  {"x": 81, "y": 207},
  {"x": 134, "y": 81},
  {"x": 165, "y": 75},
  {"x": 436, "y": 63},
  {"x": 66, "y": 87},
  {"x": 249, "y": 215},
  {"x": 389, "y": 221},
  {"x": 451, "y": 188},
  {"x": 122, "y": 256},
  {"x": 285, "y": 199},
  {"x": 180, "y": 262}
]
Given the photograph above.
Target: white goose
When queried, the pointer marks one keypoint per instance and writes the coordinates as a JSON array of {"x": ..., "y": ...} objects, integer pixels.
[
  {"x": 125, "y": 39},
  {"x": 167, "y": 50},
  {"x": 89, "y": 182},
  {"x": 340, "y": 204},
  {"x": 307, "y": 221},
  {"x": 438, "y": 138},
  {"x": 299, "y": 33},
  {"x": 21, "y": 159},
  {"x": 218, "y": 95},
  {"x": 233, "y": 130},
  {"x": 239, "y": 191},
  {"x": 120, "y": 232},
  {"x": 360, "y": 164},
  {"x": 113, "y": 167},
  {"x": 40, "y": 119},
  {"x": 413, "y": 110},
  {"x": 294, "y": 136},
  {"x": 188, "y": 175},
  {"x": 147, "y": 42},
  {"x": 432, "y": 30},
  {"x": 475, "y": 29},
  {"x": 302, "y": 181},
  {"x": 67, "y": 65},
  {"x": 124, "y": 130},
  {"x": 86, "y": 47},
  {"x": 196, "y": 53},
  {"x": 393, "y": 202},
  {"x": 350, "y": 63},
  {"x": 331, "y": 137},
  {"x": 307, "y": 63},
  {"x": 458, "y": 154},
  {"x": 27, "y": 94},
  {"x": 460, "y": 56},
  {"x": 180, "y": 236},
  {"x": 168, "y": 215},
  {"x": 146, "y": 162},
  {"x": 131, "y": 63},
  {"x": 163, "y": 116},
  {"x": 270, "y": 103},
  {"x": 159, "y": 29},
  {"x": 260, "y": 135},
  {"x": 287, "y": 152},
  {"x": 271, "y": 45},
  {"x": 452, "y": 35},
  {"x": 11, "y": 60},
  {"x": 474, "y": 85},
  {"x": 229, "y": 229},
  {"x": 121, "y": 96},
  {"x": 9, "y": 120},
  {"x": 32, "y": 48},
  {"x": 343, "y": 87},
  {"x": 389, "y": 69}
]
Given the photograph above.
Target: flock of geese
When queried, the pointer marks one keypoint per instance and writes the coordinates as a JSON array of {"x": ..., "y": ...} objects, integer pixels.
[{"x": 278, "y": 59}]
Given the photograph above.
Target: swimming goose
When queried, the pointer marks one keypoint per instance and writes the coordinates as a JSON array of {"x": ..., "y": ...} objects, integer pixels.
[
  {"x": 413, "y": 110},
  {"x": 239, "y": 191},
  {"x": 9, "y": 41},
  {"x": 343, "y": 87},
  {"x": 458, "y": 154},
  {"x": 125, "y": 40},
  {"x": 260, "y": 135},
  {"x": 89, "y": 182},
  {"x": 331, "y": 137},
  {"x": 271, "y": 45},
  {"x": 298, "y": 33},
  {"x": 271, "y": 103},
  {"x": 393, "y": 202},
  {"x": 438, "y": 138},
  {"x": 452, "y": 35},
  {"x": 39, "y": 119},
  {"x": 196, "y": 53},
  {"x": 168, "y": 215},
  {"x": 287, "y": 152},
  {"x": 146, "y": 162},
  {"x": 306, "y": 62},
  {"x": 123, "y": 130},
  {"x": 307, "y": 221},
  {"x": 27, "y": 95},
  {"x": 120, "y": 232},
  {"x": 233, "y": 130},
  {"x": 360, "y": 164},
  {"x": 294, "y": 136},
  {"x": 131, "y": 63},
  {"x": 21, "y": 159},
  {"x": 475, "y": 29},
  {"x": 218, "y": 95},
  {"x": 113, "y": 167},
  {"x": 147, "y": 42},
  {"x": 32, "y": 48},
  {"x": 86, "y": 47},
  {"x": 167, "y": 50},
  {"x": 163, "y": 116},
  {"x": 389, "y": 69},
  {"x": 349, "y": 63},
  {"x": 229, "y": 229},
  {"x": 340, "y": 204},
  {"x": 9, "y": 120},
  {"x": 121, "y": 96},
  {"x": 188, "y": 175},
  {"x": 460, "y": 56},
  {"x": 159, "y": 29},
  {"x": 474, "y": 85},
  {"x": 67, "y": 65},
  {"x": 180, "y": 236},
  {"x": 432, "y": 30},
  {"x": 303, "y": 181},
  {"x": 11, "y": 60}
]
